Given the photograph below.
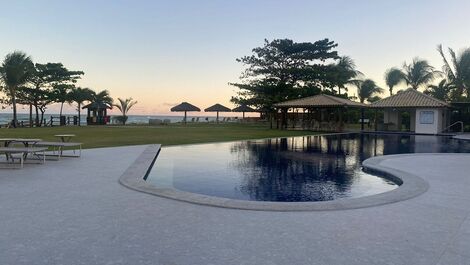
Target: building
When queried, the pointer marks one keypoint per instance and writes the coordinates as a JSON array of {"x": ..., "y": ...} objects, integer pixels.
[
  {"x": 321, "y": 112},
  {"x": 423, "y": 113}
]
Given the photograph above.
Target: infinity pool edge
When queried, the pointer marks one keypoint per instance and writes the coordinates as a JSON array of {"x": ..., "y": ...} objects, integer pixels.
[{"x": 411, "y": 186}]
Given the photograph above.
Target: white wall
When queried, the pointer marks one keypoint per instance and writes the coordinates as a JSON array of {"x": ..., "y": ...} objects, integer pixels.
[{"x": 429, "y": 126}]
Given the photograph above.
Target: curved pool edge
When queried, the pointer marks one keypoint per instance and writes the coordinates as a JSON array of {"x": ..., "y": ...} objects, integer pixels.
[{"x": 412, "y": 186}]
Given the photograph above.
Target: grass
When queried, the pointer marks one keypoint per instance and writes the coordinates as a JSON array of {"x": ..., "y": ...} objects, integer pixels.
[{"x": 107, "y": 136}]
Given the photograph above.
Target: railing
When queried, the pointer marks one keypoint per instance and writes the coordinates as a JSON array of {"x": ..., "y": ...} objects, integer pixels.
[{"x": 455, "y": 123}]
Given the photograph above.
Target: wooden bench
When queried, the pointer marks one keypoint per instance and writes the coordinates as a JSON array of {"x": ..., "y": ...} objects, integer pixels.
[
  {"x": 58, "y": 148},
  {"x": 24, "y": 152}
]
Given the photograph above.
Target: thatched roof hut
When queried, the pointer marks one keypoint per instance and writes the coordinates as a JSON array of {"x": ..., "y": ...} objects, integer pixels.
[
  {"x": 185, "y": 107},
  {"x": 243, "y": 109},
  {"x": 217, "y": 108}
]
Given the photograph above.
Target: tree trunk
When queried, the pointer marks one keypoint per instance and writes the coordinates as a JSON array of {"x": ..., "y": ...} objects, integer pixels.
[
  {"x": 37, "y": 114},
  {"x": 30, "y": 115},
  {"x": 13, "y": 102},
  {"x": 61, "y": 107},
  {"x": 79, "y": 123},
  {"x": 42, "y": 116}
]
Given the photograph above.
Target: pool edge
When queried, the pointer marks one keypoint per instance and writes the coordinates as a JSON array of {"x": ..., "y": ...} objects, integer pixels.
[{"x": 412, "y": 186}]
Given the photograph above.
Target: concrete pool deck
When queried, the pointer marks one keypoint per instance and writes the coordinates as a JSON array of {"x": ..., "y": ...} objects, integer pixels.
[{"x": 74, "y": 211}]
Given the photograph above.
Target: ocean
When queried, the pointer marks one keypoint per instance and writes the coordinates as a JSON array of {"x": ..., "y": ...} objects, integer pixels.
[{"x": 133, "y": 119}]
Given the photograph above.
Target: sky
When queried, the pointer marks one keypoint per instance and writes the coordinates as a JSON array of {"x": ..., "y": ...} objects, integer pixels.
[{"x": 161, "y": 53}]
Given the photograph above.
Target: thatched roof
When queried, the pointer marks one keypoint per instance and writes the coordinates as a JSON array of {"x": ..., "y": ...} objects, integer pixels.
[
  {"x": 244, "y": 108},
  {"x": 322, "y": 100},
  {"x": 217, "y": 108},
  {"x": 97, "y": 105},
  {"x": 185, "y": 106},
  {"x": 410, "y": 98}
]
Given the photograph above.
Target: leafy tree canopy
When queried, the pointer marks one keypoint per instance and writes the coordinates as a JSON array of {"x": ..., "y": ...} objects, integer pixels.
[{"x": 283, "y": 69}]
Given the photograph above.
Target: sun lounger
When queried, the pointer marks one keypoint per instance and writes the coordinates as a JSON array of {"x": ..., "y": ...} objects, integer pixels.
[
  {"x": 155, "y": 122},
  {"x": 58, "y": 148},
  {"x": 23, "y": 152}
]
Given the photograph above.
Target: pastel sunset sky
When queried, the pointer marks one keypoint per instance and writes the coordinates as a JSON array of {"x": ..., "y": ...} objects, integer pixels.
[{"x": 164, "y": 52}]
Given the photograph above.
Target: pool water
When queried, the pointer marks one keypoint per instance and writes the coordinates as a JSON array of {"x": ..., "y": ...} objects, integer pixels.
[{"x": 296, "y": 169}]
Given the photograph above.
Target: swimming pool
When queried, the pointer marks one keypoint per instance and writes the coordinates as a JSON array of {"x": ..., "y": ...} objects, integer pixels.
[{"x": 296, "y": 169}]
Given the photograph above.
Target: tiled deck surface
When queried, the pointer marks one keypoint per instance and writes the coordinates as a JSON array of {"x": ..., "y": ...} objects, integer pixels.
[{"x": 75, "y": 212}]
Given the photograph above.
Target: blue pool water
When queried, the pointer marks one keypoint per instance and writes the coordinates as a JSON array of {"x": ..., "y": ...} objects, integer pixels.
[{"x": 310, "y": 168}]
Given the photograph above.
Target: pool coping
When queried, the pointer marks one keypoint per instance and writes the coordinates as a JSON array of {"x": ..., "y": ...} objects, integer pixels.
[{"x": 411, "y": 186}]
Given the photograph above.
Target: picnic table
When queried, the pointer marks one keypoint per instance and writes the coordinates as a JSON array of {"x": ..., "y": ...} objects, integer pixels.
[
  {"x": 65, "y": 137},
  {"x": 25, "y": 141}
]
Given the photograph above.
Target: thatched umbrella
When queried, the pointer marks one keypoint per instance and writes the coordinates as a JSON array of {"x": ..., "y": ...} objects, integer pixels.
[
  {"x": 244, "y": 108},
  {"x": 217, "y": 108},
  {"x": 185, "y": 106}
]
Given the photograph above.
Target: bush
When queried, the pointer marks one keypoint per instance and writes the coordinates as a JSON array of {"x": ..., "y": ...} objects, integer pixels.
[{"x": 120, "y": 119}]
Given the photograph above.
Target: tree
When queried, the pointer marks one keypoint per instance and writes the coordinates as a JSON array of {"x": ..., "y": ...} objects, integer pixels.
[
  {"x": 418, "y": 73},
  {"x": 440, "y": 91},
  {"x": 393, "y": 77},
  {"x": 61, "y": 94},
  {"x": 80, "y": 95},
  {"x": 283, "y": 69},
  {"x": 124, "y": 106},
  {"x": 39, "y": 98},
  {"x": 16, "y": 71},
  {"x": 367, "y": 90},
  {"x": 457, "y": 71},
  {"x": 62, "y": 82},
  {"x": 102, "y": 97},
  {"x": 50, "y": 83},
  {"x": 346, "y": 72}
]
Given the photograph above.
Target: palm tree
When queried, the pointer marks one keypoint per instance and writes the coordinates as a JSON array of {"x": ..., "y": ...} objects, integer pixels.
[
  {"x": 367, "y": 89},
  {"x": 61, "y": 94},
  {"x": 16, "y": 70},
  {"x": 102, "y": 97},
  {"x": 418, "y": 73},
  {"x": 458, "y": 71},
  {"x": 80, "y": 95},
  {"x": 348, "y": 72},
  {"x": 393, "y": 77},
  {"x": 440, "y": 91},
  {"x": 124, "y": 106}
]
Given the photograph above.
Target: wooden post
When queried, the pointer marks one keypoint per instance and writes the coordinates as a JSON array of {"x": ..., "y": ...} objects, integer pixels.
[
  {"x": 362, "y": 119},
  {"x": 375, "y": 120},
  {"x": 340, "y": 120}
]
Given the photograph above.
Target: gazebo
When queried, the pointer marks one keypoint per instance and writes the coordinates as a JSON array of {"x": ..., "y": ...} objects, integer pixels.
[
  {"x": 185, "y": 107},
  {"x": 243, "y": 109},
  {"x": 97, "y": 113},
  {"x": 318, "y": 111},
  {"x": 217, "y": 108},
  {"x": 427, "y": 115}
]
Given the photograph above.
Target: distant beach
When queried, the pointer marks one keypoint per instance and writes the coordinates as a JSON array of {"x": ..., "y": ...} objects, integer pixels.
[{"x": 133, "y": 119}]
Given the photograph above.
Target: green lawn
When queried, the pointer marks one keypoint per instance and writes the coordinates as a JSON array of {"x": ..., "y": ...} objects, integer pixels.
[{"x": 105, "y": 136}]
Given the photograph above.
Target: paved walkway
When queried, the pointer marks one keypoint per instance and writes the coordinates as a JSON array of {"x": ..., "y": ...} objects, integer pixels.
[{"x": 75, "y": 212}]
